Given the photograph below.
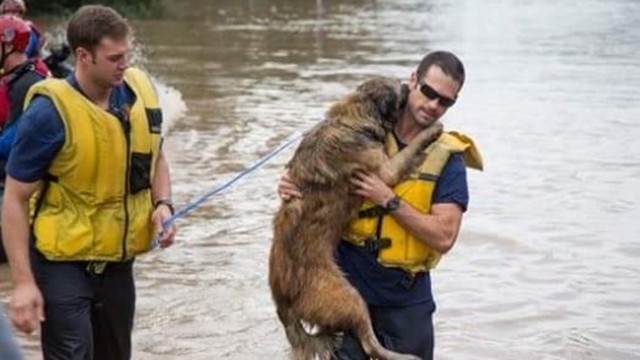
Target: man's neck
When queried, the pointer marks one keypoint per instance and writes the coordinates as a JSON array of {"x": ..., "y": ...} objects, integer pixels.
[
  {"x": 406, "y": 129},
  {"x": 96, "y": 93}
]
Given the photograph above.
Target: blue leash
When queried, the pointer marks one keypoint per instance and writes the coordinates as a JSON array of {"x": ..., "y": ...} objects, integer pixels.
[{"x": 204, "y": 197}]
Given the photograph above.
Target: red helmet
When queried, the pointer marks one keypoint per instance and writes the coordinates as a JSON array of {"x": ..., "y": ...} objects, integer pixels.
[
  {"x": 15, "y": 32},
  {"x": 13, "y": 7}
]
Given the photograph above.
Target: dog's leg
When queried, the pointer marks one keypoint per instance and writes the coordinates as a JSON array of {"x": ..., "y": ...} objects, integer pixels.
[
  {"x": 339, "y": 306},
  {"x": 394, "y": 169}
]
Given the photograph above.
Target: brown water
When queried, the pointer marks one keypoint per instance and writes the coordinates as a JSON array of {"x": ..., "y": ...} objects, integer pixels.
[{"x": 546, "y": 267}]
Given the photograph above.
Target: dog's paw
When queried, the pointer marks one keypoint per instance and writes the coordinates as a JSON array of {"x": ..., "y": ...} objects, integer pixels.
[{"x": 309, "y": 328}]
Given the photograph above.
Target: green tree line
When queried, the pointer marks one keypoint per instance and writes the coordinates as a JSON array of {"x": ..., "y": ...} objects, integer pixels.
[{"x": 126, "y": 7}]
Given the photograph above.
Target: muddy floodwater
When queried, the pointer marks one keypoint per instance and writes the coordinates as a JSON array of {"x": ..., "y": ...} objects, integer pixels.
[{"x": 546, "y": 266}]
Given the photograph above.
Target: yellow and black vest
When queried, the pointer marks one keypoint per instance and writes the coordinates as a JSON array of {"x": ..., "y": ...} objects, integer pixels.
[
  {"x": 96, "y": 203},
  {"x": 397, "y": 247}
]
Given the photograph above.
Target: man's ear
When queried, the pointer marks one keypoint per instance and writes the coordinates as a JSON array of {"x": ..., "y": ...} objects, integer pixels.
[
  {"x": 82, "y": 55},
  {"x": 413, "y": 80}
]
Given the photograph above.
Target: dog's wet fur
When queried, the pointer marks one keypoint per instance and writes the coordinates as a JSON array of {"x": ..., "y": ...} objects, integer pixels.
[{"x": 306, "y": 283}]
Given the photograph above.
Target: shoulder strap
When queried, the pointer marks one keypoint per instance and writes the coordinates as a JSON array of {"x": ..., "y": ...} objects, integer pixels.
[
  {"x": 143, "y": 87},
  {"x": 470, "y": 151}
]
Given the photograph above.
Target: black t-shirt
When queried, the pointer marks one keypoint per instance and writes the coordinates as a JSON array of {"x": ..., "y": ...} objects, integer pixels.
[
  {"x": 18, "y": 88},
  {"x": 24, "y": 77}
]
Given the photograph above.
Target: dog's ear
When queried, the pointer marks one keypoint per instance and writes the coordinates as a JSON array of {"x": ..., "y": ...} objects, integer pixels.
[
  {"x": 387, "y": 103},
  {"x": 404, "y": 96}
]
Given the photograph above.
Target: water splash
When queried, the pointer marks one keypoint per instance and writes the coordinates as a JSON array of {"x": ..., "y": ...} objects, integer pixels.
[{"x": 172, "y": 103}]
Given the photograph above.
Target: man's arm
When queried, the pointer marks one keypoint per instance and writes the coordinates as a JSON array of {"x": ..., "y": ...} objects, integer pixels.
[
  {"x": 161, "y": 185},
  {"x": 40, "y": 135},
  {"x": 161, "y": 190},
  {"x": 27, "y": 305},
  {"x": 15, "y": 227},
  {"x": 6, "y": 141},
  {"x": 287, "y": 189},
  {"x": 438, "y": 229}
]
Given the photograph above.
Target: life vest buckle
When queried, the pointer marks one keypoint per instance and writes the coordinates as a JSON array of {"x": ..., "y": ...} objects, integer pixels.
[
  {"x": 96, "y": 268},
  {"x": 372, "y": 212},
  {"x": 376, "y": 244}
]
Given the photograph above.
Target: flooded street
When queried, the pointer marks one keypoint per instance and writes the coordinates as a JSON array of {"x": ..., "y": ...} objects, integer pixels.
[{"x": 547, "y": 263}]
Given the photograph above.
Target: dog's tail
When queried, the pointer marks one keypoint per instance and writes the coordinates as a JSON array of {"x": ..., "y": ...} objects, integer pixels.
[{"x": 306, "y": 345}]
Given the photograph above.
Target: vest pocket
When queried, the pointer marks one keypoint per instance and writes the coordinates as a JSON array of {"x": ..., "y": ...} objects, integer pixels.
[{"x": 140, "y": 172}]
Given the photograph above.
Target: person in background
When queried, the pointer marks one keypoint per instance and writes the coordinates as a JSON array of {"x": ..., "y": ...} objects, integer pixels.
[
  {"x": 19, "y": 9},
  {"x": 90, "y": 148},
  {"x": 401, "y": 233},
  {"x": 19, "y": 73},
  {"x": 51, "y": 59}
]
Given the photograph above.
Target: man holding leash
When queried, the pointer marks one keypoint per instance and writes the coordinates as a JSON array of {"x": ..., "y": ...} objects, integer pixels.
[
  {"x": 89, "y": 147},
  {"x": 400, "y": 233}
]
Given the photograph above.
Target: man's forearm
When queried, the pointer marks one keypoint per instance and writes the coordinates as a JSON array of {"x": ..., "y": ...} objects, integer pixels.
[
  {"x": 15, "y": 236},
  {"x": 438, "y": 230},
  {"x": 161, "y": 186}
]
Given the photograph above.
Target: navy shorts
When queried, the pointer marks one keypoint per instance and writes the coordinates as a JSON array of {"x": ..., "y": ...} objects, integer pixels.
[
  {"x": 407, "y": 330},
  {"x": 87, "y": 316}
]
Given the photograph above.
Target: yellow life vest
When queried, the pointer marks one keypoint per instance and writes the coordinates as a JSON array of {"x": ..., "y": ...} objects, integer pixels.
[
  {"x": 96, "y": 203},
  {"x": 397, "y": 247}
]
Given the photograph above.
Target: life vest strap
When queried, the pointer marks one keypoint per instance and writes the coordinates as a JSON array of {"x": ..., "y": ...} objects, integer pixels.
[
  {"x": 428, "y": 177},
  {"x": 372, "y": 212},
  {"x": 49, "y": 177},
  {"x": 376, "y": 244}
]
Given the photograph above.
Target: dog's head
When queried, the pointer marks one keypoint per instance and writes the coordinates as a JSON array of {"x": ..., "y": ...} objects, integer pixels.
[{"x": 385, "y": 95}]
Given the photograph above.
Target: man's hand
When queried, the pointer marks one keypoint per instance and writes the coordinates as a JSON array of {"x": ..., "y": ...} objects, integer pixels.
[
  {"x": 371, "y": 187},
  {"x": 26, "y": 307},
  {"x": 287, "y": 190},
  {"x": 159, "y": 216}
]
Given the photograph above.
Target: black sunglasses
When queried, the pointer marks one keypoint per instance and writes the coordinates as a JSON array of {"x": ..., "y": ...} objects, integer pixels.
[{"x": 431, "y": 94}]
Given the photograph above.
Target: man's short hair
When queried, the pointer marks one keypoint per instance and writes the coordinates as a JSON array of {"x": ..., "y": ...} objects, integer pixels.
[
  {"x": 91, "y": 23},
  {"x": 448, "y": 62}
]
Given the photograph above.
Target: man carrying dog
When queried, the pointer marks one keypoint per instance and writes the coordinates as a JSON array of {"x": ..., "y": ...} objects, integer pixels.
[
  {"x": 400, "y": 233},
  {"x": 89, "y": 147}
]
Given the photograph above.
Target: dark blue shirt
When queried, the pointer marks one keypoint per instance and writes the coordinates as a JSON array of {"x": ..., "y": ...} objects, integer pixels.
[
  {"x": 382, "y": 286},
  {"x": 40, "y": 133}
]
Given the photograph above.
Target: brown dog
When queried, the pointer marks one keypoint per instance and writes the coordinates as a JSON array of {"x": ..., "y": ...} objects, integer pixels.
[{"x": 305, "y": 281}]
